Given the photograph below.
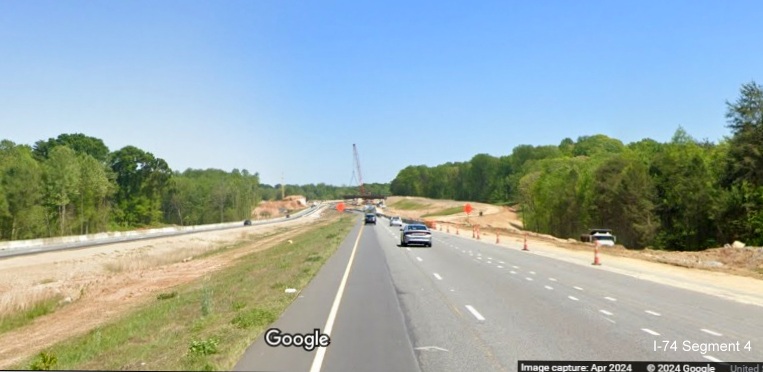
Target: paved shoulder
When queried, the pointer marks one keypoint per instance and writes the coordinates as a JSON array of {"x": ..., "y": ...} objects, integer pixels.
[
  {"x": 308, "y": 312},
  {"x": 353, "y": 300}
]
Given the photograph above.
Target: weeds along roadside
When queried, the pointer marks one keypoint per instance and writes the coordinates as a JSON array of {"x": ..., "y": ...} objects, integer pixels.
[
  {"x": 20, "y": 309},
  {"x": 207, "y": 324}
]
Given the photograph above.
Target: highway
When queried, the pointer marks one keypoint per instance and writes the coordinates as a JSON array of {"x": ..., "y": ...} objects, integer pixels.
[{"x": 472, "y": 305}]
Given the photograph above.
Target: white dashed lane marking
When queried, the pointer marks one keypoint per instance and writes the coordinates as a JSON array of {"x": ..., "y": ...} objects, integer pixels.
[
  {"x": 711, "y": 332},
  {"x": 578, "y": 288},
  {"x": 436, "y": 275},
  {"x": 611, "y": 299},
  {"x": 500, "y": 267},
  {"x": 573, "y": 298},
  {"x": 649, "y": 331},
  {"x": 549, "y": 287},
  {"x": 513, "y": 272},
  {"x": 419, "y": 258},
  {"x": 529, "y": 278},
  {"x": 605, "y": 312},
  {"x": 552, "y": 279},
  {"x": 475, "y": 312},
  {"x": 653, "y": 313}
]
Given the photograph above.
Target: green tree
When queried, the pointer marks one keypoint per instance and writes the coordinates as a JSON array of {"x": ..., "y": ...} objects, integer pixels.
[
  {"x": 684, "y": 182},
  {"x": 78, "y": 142},
  {"x": 745, "y": 119},
  {"x": 481, "y": 177},
  {"x": 95, "y": 190},
  {"x": 62, "y": 181},
  {"x": 597, "y": 144},
  {"x": 740, "y": 202},
  {"x": 623, "y": 199},
  {"x": 143, "y": 180},
  {"x": 21, "y": 192}
]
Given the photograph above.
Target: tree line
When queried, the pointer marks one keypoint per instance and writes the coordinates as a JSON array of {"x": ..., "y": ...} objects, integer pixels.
[
  {"x": 322, "y": 191},
  {"x": 74, "y": 184},
  {"x": 685, "y": 194}
]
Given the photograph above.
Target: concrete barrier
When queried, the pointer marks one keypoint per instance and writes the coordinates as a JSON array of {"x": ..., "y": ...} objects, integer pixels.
[{"x": 115, "y": 236}]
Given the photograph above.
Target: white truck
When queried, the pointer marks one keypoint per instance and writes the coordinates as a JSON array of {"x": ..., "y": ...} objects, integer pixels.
[{"x": 603, "y": 236}]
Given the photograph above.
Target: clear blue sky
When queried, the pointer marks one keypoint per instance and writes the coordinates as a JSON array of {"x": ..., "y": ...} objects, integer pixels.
[{"x": 286, "y": 87}]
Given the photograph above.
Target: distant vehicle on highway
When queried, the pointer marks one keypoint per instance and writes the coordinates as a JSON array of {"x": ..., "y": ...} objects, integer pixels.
[
  {"x": 395, "y": 221},
  {"x": 370, "y": 218},
  {"x": 415, "y": 233},
  {"x": 248, "y": 223}
]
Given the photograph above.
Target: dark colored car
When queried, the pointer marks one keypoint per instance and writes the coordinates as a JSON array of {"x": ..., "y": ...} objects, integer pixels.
[
  {"x": 248, "y": 223},
  {"x": 415, "y": 233},
  {"x": 370, "y": 218}
]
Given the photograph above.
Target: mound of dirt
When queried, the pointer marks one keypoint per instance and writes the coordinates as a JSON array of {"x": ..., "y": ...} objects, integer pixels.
[
  {"x": 279, "y": 208},
  {"x": 484, "y": 215}
]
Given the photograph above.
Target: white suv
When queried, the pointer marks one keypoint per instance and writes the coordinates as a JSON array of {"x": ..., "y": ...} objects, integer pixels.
[{"x": 395, "y": 221}]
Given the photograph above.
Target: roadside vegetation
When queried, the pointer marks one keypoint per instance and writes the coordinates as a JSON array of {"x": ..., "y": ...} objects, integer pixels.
[
  {"x": 207, "y": 324},
  {"x": 408, "y": 205},
  {"x": 24, "y": 316},
  {"x": 74, "y": 184},
  {"x": 444, "y": 212},
  {"x": 686, "y": 194}
]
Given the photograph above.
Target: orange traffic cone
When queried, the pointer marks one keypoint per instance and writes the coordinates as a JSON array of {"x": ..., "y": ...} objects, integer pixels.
[{"x": 596, "y": 254}]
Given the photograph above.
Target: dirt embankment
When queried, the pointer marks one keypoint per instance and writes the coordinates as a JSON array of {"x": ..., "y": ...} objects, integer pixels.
[
  {"x": 279, "y": 208},
  {"x": 504, "y": 220}
]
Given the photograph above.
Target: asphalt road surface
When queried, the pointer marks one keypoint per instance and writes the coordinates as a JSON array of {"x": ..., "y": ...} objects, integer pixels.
[{"x": 468, "y": 305}]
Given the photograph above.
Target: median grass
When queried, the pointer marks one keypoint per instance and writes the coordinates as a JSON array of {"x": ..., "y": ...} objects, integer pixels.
[
  {"x": 444, "y": 212},
  {"x": 207, "y": 324},
  {"x": 408, "y": 205}
]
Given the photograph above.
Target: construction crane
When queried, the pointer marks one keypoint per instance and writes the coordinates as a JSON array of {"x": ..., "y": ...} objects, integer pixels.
[
  {"x": 357, "y": 167},
  {"x": 363, "y": 194}
]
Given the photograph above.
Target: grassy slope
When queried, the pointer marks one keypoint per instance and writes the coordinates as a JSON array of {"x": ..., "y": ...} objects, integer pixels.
[
  {"x": 444, "y": 212},
  {"x": 408, "y": 205}
]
